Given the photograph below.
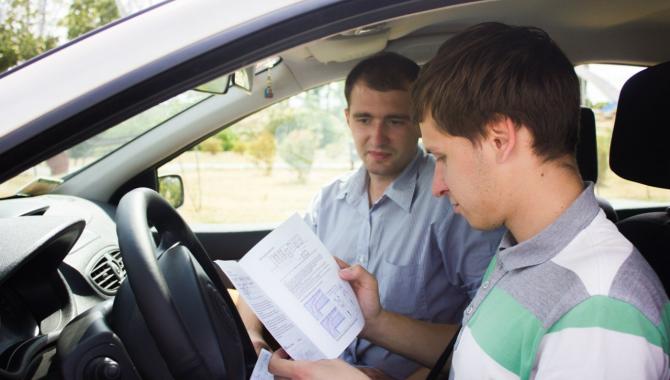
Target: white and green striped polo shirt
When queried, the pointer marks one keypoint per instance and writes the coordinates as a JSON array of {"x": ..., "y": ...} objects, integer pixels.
[{"x": 577, "y": 301}]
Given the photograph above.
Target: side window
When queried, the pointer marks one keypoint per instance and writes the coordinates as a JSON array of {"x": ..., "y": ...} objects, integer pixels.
[
  {"x": 268, "y": 165},
  {"x": 600, "y": 91}
]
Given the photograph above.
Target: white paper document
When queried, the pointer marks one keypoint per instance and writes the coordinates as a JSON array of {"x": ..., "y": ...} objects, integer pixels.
[
  {"x": 290, "y": 280},
  {"x": 260, "y": 371}
]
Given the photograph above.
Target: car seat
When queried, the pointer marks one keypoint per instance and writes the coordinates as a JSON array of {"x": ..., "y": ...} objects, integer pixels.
[
  {"x": 587, "y": 156},
  {"x": 639, "y": 152}
]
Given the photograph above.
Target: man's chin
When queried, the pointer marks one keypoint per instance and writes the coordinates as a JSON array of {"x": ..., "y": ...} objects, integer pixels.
[
  {"x": 381, "y": 170},
  {"x": 481, "y": 225}
]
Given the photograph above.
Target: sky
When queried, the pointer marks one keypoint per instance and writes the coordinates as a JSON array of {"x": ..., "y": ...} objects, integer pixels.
[{"x": 614, "y": 75}]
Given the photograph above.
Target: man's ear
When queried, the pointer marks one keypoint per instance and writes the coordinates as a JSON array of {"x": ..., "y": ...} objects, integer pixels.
[
  {"x": 502, "y": 136},
  {"x": 346, "y": 115}
]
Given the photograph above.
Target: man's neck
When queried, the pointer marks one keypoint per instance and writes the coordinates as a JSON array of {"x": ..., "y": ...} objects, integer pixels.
[
  {"x": 540, "y": 201},
  {"x": 377, "y": 186}
]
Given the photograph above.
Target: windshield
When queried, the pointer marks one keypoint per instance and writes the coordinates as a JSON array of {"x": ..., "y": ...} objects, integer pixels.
[
  {"x": 32, "y": 27},
  {"x": 51, "y": 172}
]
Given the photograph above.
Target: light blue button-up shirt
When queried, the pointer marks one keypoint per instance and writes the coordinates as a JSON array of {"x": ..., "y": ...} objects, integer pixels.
[{"x": 427, "y": 260}]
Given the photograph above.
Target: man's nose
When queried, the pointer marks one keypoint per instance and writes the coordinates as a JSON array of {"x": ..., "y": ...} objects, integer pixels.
[
  {"x": 439, "y": 187},
  {"x": 378, "y": 133}
]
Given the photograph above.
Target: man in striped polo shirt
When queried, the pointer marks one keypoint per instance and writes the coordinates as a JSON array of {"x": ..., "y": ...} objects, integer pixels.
[{"x": 566, "y": 296}]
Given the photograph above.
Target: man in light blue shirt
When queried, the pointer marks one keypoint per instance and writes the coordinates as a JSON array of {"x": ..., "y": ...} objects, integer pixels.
[{"x": 428, "y": 261}]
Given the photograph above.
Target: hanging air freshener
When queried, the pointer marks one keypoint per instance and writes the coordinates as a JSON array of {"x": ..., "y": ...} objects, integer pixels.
[{"x": 268, "y": 86}]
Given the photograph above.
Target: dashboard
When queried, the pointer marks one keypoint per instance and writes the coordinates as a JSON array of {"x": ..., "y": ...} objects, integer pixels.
[{"x": 59, "y": 257}]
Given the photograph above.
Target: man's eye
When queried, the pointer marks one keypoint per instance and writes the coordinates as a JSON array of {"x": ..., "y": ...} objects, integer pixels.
[
  {"x": 397, "y": 122},
  {"x": 363, "y": 120}
]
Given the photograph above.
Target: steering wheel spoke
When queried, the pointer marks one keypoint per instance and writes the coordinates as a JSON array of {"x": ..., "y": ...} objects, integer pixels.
[{"x": 179, "y": 293}]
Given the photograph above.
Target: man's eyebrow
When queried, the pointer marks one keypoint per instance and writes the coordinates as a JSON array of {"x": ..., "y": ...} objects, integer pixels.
[
  {"x": 397, "y": 116},
  {"x": 362, "y": 114},
  {"x": 391, "y": 116}
]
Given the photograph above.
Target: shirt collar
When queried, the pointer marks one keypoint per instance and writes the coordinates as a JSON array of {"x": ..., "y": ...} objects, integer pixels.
[
  {"x": 553, "y": 238},
  {"x": 401, "y": 190}
]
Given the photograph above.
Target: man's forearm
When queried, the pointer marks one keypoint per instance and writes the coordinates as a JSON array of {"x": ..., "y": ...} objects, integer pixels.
[
  {"x": 420, "y": 341},
  {"x": 252, "y": 323}
]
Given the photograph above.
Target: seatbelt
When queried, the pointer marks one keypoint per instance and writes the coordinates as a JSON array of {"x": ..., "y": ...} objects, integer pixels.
[{"x": 436, "y": 371}]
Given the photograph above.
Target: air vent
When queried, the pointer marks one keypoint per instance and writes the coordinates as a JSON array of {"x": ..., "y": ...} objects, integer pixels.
[{"x": 108, "y": 272}]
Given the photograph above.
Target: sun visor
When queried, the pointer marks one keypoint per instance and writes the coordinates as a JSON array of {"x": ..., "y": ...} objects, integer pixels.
[{"x": 347, "y": 48}]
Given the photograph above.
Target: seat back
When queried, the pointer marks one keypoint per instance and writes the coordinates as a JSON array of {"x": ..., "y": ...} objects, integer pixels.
[
  {"x": 587, "y": 157},
  {"x": 639, "y": 153}
]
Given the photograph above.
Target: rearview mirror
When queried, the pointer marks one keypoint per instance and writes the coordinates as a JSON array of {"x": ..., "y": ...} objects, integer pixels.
[
  {"x": 242, "y": 79},
  {"x": 171, "y": 188}
]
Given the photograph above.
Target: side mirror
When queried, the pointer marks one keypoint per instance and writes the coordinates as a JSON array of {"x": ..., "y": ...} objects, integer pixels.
[{"x": 171, "y": 188}]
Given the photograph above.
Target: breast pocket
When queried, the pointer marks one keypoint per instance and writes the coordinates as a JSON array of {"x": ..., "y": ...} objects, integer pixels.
[{"x": 401, "y": 289}]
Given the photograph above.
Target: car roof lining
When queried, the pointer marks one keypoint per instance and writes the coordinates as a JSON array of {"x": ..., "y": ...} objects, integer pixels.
[{"x": 611, "y": 37}]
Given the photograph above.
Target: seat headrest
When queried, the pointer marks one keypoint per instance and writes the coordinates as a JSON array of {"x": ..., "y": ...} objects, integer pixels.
[
  {"x": 641, "y": 135},
  {"x": 587, "y": 153}
]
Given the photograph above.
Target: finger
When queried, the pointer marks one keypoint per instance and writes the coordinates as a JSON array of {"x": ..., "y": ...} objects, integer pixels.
[
  {"x": 280, "y": 365},
  {"x": 343, "y": 264},
  {"x": 283, "y": 354}
]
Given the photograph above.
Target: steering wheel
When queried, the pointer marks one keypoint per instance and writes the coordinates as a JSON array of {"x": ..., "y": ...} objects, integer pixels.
[{"x": 180, "y": 294}]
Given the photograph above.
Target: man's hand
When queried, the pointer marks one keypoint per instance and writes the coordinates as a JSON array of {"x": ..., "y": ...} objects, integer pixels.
[
  {"x": 417, "y": 340},
  {"x": 366, "y": 289},
  {"x": 258, "y": 342},
  {"x": 284, "y": 368}
]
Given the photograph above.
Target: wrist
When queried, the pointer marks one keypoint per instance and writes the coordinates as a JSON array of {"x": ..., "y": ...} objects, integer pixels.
[{"x": 375, "y": 325}]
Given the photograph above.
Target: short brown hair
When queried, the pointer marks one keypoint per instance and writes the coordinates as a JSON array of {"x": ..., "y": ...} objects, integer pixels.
[
  {"x": 382, "y": 72},
  {"x": 494, "y": 70}
]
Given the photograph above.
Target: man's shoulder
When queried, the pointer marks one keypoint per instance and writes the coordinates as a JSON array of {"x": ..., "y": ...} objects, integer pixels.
[
  {"x": 338, "y": 186},
  {"x": 612, "y": 270}
]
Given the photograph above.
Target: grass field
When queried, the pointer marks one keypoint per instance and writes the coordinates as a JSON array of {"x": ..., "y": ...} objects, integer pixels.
[{"x": 228, "y": 188}]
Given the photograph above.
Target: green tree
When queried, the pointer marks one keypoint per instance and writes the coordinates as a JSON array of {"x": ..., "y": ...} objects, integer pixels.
[
  {"x": 86, "y": 15},
  {"x": 262, "y": 151},
  {"x": 298, "y": 149},
  {"x": 228, "y": 139},
  {"x": 18, "y": 41},
  {"x": 300, "y": 132},
  {"x": 212, "y": 145}
]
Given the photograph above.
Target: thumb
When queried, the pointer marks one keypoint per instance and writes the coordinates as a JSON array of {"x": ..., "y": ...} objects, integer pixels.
[
  {"x": 353, "y": 273},
  {"x": 343, "y": 264}
]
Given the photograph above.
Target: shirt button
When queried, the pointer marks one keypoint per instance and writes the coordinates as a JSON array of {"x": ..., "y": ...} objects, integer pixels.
[
  {"x": 468, "y": 311},
  {"x": 485, "y": 285}
]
